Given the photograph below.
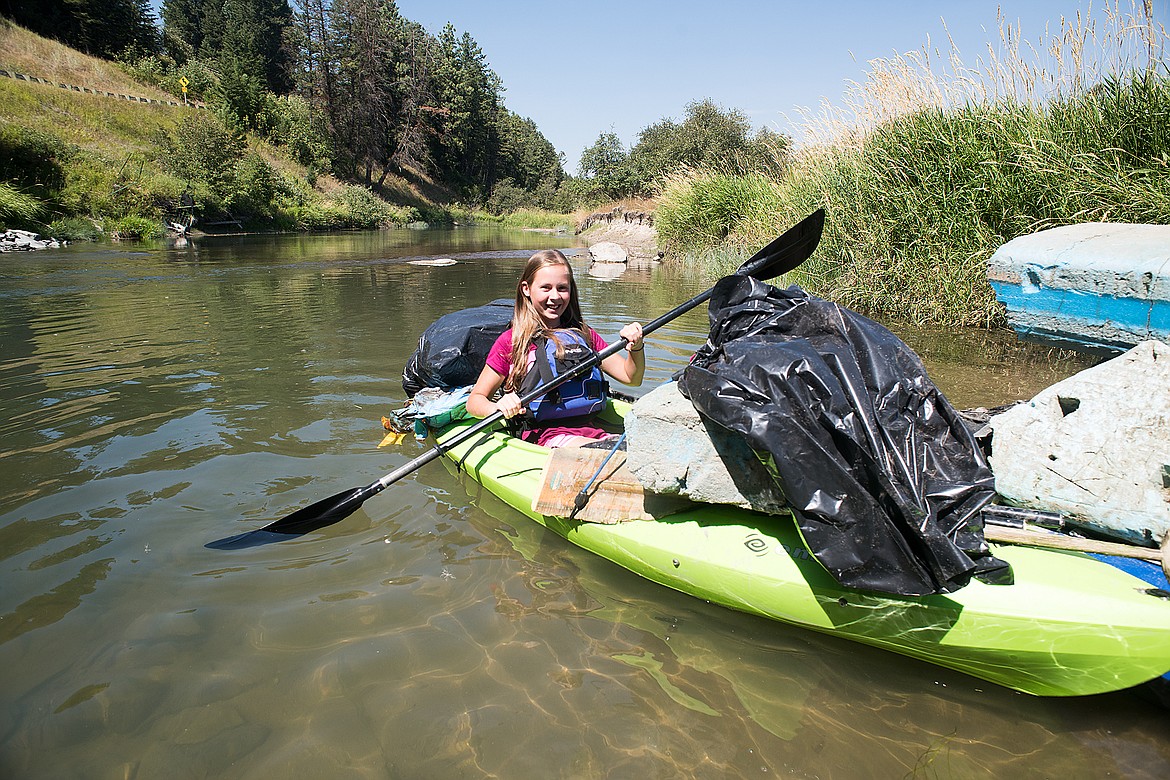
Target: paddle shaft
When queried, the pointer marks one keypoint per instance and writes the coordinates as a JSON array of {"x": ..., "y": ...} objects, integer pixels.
[
  {"x": 581, "y": 369},
  {"x": 780, "y": 256},
  {"x": 747, "y": 269},
  {"x": 1012, "y": 525}
]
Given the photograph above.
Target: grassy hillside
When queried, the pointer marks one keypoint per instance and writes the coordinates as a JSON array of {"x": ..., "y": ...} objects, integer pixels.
[
  {"x": 28, "y": 53},
  {"x": 76, "y": 165}
]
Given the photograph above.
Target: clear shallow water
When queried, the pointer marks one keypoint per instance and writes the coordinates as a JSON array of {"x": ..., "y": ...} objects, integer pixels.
[{"x": 157, "y": 399}]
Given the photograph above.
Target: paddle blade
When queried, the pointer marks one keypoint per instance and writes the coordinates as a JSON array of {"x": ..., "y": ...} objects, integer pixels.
[
  {"x": 248, "y": 539},
  {"x": 315, "y": 516},
  {"x": 325, "y": 512},
  {"x": 787, "y": 251}
]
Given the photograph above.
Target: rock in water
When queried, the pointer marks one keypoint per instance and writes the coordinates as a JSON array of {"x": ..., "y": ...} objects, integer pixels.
[
  {"x": 1096, "y": 445},
  {"x": 672, "y": 451},
  {"x": 23, "y": 241},
  {"x": 437, "y": 262}
]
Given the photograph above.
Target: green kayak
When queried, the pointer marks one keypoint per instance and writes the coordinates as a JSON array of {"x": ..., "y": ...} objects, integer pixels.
[{"x": 1070, "y": 625}]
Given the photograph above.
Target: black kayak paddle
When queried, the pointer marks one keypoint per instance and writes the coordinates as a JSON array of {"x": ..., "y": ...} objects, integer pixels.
[{"x": 779, "y": 257}]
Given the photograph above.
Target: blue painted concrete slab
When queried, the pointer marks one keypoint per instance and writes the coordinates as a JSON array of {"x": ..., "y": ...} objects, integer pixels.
[{"x": 1092, "y": 286}]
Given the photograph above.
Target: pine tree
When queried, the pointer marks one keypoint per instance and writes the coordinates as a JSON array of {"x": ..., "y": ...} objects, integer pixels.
[{"x": 470, "y": 92}]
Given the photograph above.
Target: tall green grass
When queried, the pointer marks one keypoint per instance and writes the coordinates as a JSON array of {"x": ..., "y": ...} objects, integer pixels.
[
  {"x": 18, "y": 209},
  {"x": 698, "y": 210},
  {"x": 538, "y": 219},
  {"x": 925, "y": 175}
]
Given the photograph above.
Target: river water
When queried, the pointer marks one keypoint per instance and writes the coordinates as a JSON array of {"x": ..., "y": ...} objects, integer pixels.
[{"x": 158, "y": 398}]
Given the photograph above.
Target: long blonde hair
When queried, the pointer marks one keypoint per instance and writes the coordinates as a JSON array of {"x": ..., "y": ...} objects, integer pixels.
[{"x": 526, "y": 322}]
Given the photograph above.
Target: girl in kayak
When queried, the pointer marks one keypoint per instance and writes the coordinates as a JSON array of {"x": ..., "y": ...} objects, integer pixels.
[{"x": 547, "y": 337}]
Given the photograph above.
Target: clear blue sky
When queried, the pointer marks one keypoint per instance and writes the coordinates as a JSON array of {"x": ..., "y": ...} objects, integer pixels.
[{"x": 582, "y": 68}]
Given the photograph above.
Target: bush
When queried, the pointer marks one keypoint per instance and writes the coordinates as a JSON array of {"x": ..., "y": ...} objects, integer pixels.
[
  {"x": 162, "y": 72},
  {"x": 202, "y": 79},
  {"x": 74, "y": 229},
  {"x": 291, "y": 123},
  {"x": 203, "y": 149},
  {"x": 253, "y": 188},
  {"x": 507, "y": 197},
  {"x": 135, "y": 228},
  {"x": 151, "y": 69},
  {"x": 357, "y": 207},
  {"x": 576, "y": 193}
]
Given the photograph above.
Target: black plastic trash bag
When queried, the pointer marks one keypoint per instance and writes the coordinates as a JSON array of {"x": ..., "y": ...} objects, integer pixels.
[
  {"x": 885, "y": 480},
  {"x": 452, "y": 350}
]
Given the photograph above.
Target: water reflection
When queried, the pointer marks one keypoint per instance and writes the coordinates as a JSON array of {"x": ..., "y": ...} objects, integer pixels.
[
  {"x": 832, "y": 705},
  {"x": 157, "y": 399},
  {"x": 606, "y": 271}
]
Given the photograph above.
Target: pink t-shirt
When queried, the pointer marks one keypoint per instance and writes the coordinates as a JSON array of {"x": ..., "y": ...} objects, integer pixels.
[{"x": 499, "y": 359}]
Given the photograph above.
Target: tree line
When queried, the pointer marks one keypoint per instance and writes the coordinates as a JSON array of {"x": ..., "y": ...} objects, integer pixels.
[{"x": 353, "y": 88}]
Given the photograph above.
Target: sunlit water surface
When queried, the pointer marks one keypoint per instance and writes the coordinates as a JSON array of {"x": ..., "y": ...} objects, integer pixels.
[{"x": 156, "y": 399}]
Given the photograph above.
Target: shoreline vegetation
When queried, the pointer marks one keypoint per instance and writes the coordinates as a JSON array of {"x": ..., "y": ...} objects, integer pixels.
[
  {"x": 930, "y": 166},
  {"x": 925, "y": 168}
]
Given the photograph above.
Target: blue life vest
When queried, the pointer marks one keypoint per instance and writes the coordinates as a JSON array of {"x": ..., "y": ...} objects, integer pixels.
[{"x": 578, "y": 397}]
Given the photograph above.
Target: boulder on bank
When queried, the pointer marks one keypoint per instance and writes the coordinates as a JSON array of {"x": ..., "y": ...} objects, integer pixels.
[
  {"x": 608, "y": 252},
  {"x": 1096, "y": 446},
  {"x": 672, "y": 451},
  {"x": 639, "y": 240}
]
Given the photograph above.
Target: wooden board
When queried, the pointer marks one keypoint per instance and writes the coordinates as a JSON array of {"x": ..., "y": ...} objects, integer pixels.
[
  {"x": 615, "y": 496},
  {"x": 1055, "y": 541}
]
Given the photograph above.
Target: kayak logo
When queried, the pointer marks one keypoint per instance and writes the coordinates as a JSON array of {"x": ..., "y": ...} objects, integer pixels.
[
  {"x": 757, "y": 544},
  {"x": 760, "y": 545}
]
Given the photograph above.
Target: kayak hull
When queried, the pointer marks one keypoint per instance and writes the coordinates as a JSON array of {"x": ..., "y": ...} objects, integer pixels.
[{"x": 1070, "y": 625}]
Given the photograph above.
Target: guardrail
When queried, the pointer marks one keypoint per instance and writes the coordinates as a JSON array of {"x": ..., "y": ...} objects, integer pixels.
[{"x": 99, "y": 92}]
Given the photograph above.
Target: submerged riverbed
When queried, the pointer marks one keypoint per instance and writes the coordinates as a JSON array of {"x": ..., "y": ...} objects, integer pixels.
[{"x": 159, "y": 398}]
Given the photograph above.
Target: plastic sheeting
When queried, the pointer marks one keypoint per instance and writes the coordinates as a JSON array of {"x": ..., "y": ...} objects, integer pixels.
[
  {"x": 885, "y": 480},
  {"x": 452, "y": 350}
]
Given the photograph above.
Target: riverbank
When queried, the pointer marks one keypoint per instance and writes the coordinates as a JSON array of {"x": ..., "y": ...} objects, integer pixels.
[{"x": 94, "y": 153}]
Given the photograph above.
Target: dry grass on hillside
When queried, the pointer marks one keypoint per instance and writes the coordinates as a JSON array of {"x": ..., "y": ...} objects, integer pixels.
[
  {"x": 32, "y": 55},
  {"x": 1113, "y": 37}
]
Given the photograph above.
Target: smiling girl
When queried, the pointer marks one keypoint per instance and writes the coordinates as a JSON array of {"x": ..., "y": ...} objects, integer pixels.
[{"x": 548, "y": 336}]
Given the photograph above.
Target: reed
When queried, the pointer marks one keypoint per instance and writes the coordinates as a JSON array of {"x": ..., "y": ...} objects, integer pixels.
[{"x": 929, "y": 166}]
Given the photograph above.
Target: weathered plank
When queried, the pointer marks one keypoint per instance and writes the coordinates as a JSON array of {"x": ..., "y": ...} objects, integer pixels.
[{"x": 615, "y": 496}]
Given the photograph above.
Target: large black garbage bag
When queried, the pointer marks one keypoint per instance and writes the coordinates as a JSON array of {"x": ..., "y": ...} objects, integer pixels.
[
  {"x": 452, "y": 350},
  {"x": 885, "y": 480}
]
